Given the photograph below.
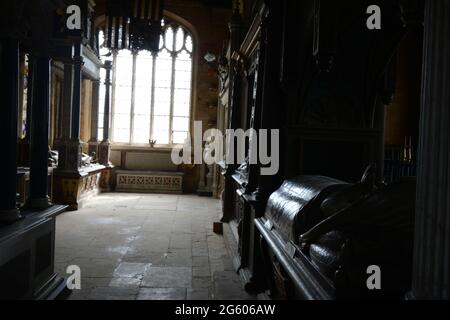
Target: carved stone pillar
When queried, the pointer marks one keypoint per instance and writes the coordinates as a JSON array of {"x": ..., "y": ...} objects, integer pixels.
[
  {"x": 39, "y": 134},
  {"x": 104, "y": 148},
  {"x": 66, "y": 116},
  {"x": 93, "y": 142},
  {"x": 431, "y": 271},
  {"x": 9, "y": 93}
]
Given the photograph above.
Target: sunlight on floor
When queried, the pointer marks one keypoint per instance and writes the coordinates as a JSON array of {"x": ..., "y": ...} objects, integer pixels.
[{"x": 146, "y": 246}]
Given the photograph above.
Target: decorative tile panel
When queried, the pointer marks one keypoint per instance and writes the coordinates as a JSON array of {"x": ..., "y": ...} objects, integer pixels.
[{"x": 149, "y": 181}]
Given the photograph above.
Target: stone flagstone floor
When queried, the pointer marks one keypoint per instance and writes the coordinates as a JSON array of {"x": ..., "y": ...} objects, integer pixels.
[{"x": 147, "y": 246}]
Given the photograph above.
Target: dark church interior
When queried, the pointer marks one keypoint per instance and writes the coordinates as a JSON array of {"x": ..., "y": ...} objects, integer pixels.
[{"x": 333, "y": 183}]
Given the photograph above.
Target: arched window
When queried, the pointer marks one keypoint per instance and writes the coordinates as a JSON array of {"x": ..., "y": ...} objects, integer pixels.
[{"x": 151, "y": 93}]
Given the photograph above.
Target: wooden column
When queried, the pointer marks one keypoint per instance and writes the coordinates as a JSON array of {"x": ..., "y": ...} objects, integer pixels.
[
  {"x": 39, "y": 134},
  {"x": 9, "y": 93},
  {"x": 66, "y": 115},
  {"x": 29, "y": 99},
  {"x": 24, "y": 144},
  {"x": 76, "y": 97},
  {"x": 105, "y": 146},
  {"x": 235, "y": 26},
  {"x": 67, "y": 100},
  {"x": 93, "y": 142},
  {"x": 74, "y": 147},
  {"x": 22, "y": 74},
  {"x": 271, "y": 114},
  {"x": 431, "y": 271},
  {"x": 229, "y": 185}
]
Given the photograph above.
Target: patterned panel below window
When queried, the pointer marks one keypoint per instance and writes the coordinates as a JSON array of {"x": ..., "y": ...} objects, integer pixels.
[{"x": 150, "y": 181}]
